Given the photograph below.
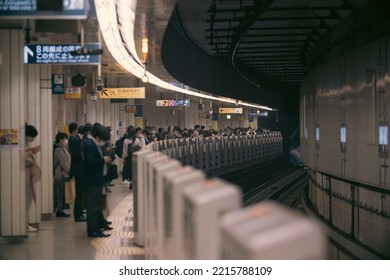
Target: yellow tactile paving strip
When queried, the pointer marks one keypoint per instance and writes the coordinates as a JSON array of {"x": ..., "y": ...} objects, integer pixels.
[{"x": 120, "y": 244}]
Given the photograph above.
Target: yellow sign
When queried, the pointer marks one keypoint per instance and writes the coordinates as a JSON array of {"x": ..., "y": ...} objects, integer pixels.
[
  {"x": 122, "y": 93},
  {"x": 163, "y": 103},
  {"x": 130, "y": 109},
  {"x": 73, "y": 93},
  {"x": 9, "y": 136},
  {"x": 230, "y": 110}
]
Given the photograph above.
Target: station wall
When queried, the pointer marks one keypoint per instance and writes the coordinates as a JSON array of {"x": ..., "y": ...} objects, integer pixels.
[{"x": 349, "y": 186}]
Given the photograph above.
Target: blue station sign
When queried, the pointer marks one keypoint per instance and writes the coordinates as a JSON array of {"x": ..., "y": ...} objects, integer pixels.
[
  {"x": 29, "y": 9},
  {"x": 59, "y": 54},
  {"x": 260, "y": 114}
]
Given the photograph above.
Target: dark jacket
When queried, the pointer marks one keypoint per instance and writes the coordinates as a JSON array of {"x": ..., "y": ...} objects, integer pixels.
[
  {"x": 76, "y": 163},
  {"x": 94, "y": 162}
]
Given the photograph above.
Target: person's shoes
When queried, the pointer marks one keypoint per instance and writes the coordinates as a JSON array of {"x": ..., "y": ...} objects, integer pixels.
[
  {"x": 107, "y": 228},
  {"x": 131, "y": 185},
  {"x": 31, "y": 229},
  {"x": 126, "y": 182},
  {"x": 107, "y": 190},
  {"x": 111, "y": 184},
  {"x": 80, "y": 219},
  {"x": 61, "y": 214},
  {"x": 97, "y": 234}
]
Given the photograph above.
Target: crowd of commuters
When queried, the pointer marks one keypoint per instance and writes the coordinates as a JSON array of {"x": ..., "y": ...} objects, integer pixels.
[{"x": 87, "y": 156}]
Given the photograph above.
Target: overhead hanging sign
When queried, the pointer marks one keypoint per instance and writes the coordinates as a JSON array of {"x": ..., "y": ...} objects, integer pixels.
[
  {"x": 260, "y": 114},
  {"x": 59, "y": 54},
  {"x": 173, "y": 103},
  {"x": 230, "y": 110},
  {"x": 122, "y": 93},
  {"x": 73, "y": 93},
  {"x": 30, "y": 9}
]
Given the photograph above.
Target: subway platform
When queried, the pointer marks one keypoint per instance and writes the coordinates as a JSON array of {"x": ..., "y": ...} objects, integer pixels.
[{"x": 64, "y": 239}]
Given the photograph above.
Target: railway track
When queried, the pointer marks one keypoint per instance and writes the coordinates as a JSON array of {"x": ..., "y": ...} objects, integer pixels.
[{"x": 286, "y": 187}]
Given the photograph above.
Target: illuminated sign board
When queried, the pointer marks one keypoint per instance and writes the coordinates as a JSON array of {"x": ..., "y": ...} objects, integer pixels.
[
  {"x": 343, "y": 134},
  {"x": 173, "y": 103},
  {"x": 122, "y": 93},
  {"x": 59, "y": 54},
  {"x": 29, "y": 9},
  {"x": 230, "y": 110},
  {"x": 317, "y": 134},
  {"x": 260, "y": 114},
  {"x": 383, "y": 135}
]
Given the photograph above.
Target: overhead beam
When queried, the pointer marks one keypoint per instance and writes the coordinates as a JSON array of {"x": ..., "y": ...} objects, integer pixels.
[
  {"x": 238, "y": 19},
  {"x": 260, "y": 35},
  {"x": 283, "y": 9},
  {"x": 270, "y": 28}
]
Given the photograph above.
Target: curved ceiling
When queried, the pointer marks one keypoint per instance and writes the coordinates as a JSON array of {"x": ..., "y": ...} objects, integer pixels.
[{"x": 257, "y": 49}]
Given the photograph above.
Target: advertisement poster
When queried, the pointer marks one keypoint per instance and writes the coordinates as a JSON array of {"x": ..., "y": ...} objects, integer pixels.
[{"x": 9, "y": 136}]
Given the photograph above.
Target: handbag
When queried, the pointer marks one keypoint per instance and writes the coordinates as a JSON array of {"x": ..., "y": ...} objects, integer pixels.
[{"x": 70, "y": 191}]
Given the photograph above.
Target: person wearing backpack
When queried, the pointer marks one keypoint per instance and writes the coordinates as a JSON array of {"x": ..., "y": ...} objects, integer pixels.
[
  {"x": 119, "y": 143},
  {"x": 127, "y": 156},
  {"x": 61, "y": 170}
]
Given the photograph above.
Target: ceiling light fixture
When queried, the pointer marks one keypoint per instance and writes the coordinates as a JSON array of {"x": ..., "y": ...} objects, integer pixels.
[
  {"x": 145, "y": 78},
  {"x": 118, "y": 33}
]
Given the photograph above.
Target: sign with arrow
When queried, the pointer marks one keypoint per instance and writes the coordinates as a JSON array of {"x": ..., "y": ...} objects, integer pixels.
[
  {"x": 123, "y": 93},
  {"x": 60, "y": 54},
  {"x": 173, "y": 103},
  {"x": 230, "y": 110}
]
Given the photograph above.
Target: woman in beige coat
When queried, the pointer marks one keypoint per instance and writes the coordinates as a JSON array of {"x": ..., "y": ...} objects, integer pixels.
[
  {"x": 61, "y": 163},
  {"x": 33, "y": 172}
]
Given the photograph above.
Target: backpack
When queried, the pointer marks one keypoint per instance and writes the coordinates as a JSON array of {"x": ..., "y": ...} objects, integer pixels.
[
  {"x": 58, "y": 163},
  {"x": 119, "y": 146},
  {"x": 132, "y": 149}
]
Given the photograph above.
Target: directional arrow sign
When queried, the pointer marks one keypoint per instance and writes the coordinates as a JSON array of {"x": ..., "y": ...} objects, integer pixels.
[
  {"x": 122, "y": 93},
  {"x": 59, "y": 53},
  {"x": 27, "y": 52},
  {"x": 230, "y": 110}
]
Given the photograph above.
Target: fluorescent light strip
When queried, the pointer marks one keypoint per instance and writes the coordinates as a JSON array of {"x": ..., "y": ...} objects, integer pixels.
[{"x": 118, "y": 34}]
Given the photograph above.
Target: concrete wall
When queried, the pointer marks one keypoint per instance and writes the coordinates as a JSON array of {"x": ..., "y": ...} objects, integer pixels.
[
  {"x": 350, "y": 189},
  {"x": 351, "y": 90}
]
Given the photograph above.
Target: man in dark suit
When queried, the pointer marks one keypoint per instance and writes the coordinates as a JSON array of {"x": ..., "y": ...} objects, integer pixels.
[
  {"x": 94, "y": 179},
  {"x": 76, "y": 169}
]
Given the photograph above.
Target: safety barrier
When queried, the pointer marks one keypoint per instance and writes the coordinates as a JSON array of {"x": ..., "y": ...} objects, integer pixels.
[
  {"x": 213, "y": 153},
  {"x": 179, "y": 214}
]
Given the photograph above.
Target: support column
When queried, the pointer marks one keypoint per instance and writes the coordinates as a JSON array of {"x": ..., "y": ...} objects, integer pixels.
[
  {"x": 91, "y": 109},
  {"x": 38, "y": 113},
  {"x": 12, "y": 173}
]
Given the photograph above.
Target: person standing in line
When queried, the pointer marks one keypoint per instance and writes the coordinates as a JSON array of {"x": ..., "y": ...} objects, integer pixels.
[
  {"x": 33, "y": 172},
  {"x": 140, "y": 139},
  {"x": 61, "y": 163},
  {"x": 95, "y": 170},
  {"x": 127, "y": 157},
  {"x": 76, "y": 169}
]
